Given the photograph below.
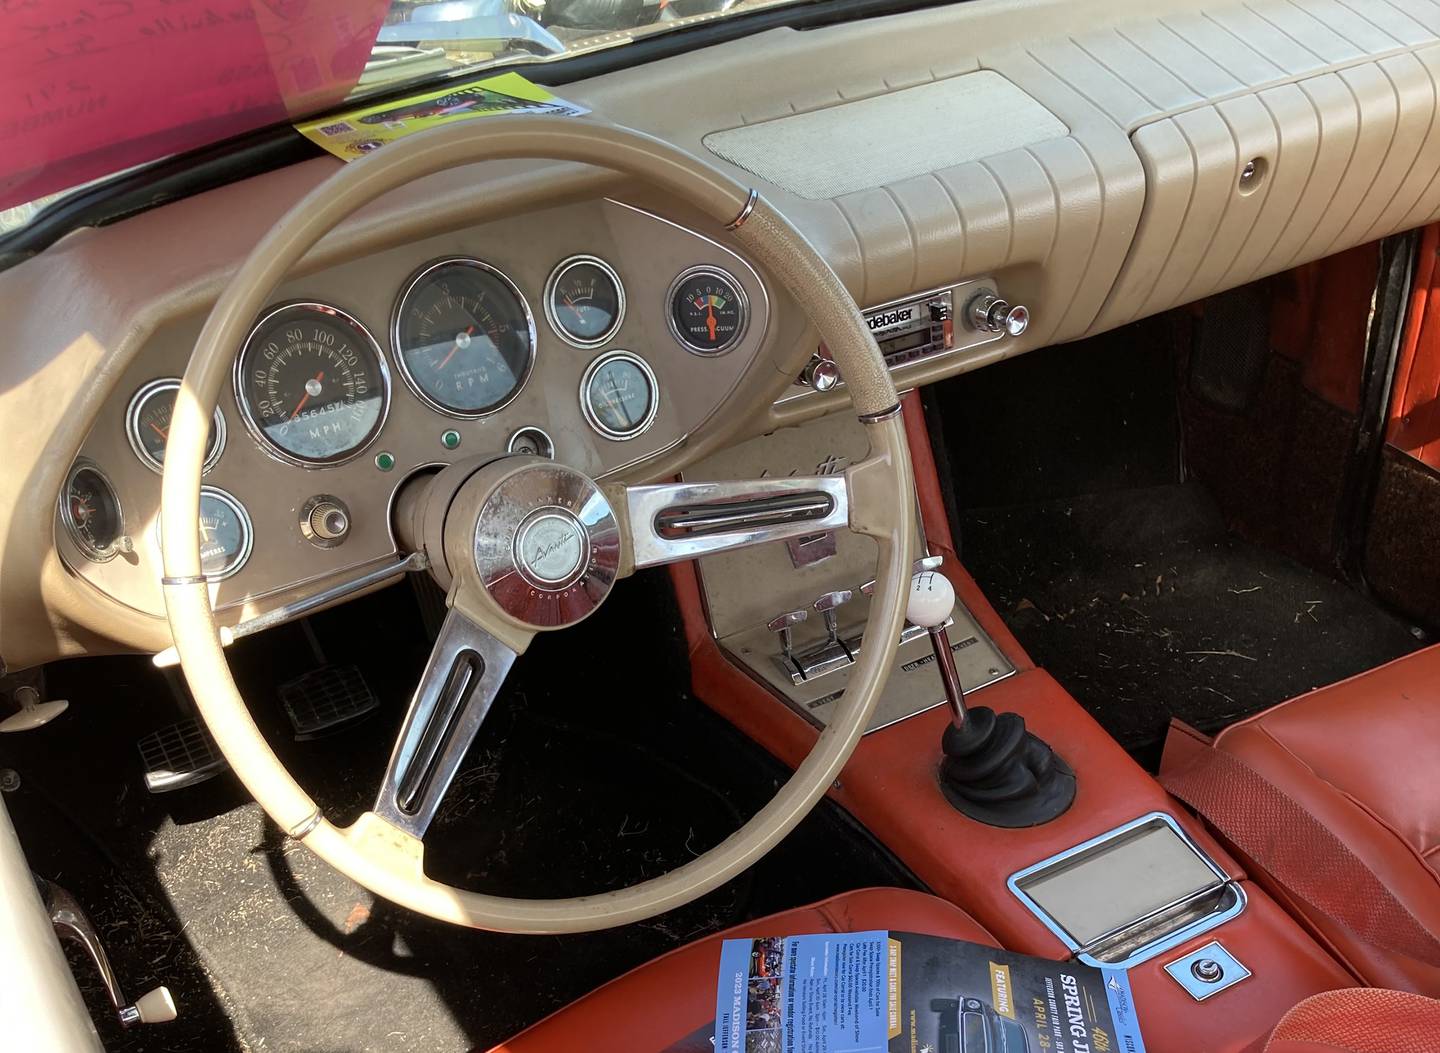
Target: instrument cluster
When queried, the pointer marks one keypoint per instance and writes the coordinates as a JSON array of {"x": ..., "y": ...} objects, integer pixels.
[{"x": 313, "y": 385}]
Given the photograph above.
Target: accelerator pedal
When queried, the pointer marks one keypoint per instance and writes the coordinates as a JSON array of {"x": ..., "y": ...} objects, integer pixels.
[
  {"x": 178, "y": 756},
  {"x": 326, "y": 700}
]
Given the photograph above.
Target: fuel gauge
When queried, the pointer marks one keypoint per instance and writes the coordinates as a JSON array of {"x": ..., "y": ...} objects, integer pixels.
[{"x": 585, "y": 301}]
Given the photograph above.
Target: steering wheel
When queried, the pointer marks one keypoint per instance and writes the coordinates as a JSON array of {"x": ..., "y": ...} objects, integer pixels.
[{"x": 527, "y": 545}]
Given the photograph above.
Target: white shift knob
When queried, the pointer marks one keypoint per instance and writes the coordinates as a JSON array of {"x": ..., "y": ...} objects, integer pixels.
[{"x": 932, "y": 599}]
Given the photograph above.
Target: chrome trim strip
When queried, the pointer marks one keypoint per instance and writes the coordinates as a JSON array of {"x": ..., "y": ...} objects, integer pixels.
[
  {"x": 269, "y": 446},
  {"x": 183, "y": 579},
  {"x": 880, "y": 415},
  {"x": 746, "y": 209},
  {"x": 741, "y": 296},
  {"x": 132, "y": 425},
  {"x": 645, "y": 504},
  {"x": 308, "y": 825},
  {"x": 464, "y": 674},
  {"x": 399, "y": 352},
  {"x": 559, "y": 272}
]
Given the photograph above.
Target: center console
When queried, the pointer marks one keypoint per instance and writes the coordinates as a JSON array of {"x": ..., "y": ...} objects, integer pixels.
[{"x": 1123, "y": 875}]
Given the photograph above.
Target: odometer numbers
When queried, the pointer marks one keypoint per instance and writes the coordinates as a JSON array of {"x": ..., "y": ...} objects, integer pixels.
[{"x": 311, "y": 384}]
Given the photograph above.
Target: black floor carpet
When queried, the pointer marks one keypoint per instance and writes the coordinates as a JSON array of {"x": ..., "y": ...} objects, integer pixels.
[
  {"x": 1144, "y": 607},
  {"x": 595, "y": 770}
]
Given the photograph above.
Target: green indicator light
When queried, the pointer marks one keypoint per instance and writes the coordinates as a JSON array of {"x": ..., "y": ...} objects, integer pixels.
[
  {"x": 450, "y": 439},
  {"x": 384, "y": 460}
]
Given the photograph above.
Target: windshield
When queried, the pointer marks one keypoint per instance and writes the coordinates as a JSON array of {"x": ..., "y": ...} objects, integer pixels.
[{"x": 91, "y": 87}]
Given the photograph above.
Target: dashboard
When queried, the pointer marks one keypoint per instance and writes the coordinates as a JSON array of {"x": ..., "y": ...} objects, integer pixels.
[
  {"x": 597, "y": 332},
  {"x": 1093, "y": 161}
]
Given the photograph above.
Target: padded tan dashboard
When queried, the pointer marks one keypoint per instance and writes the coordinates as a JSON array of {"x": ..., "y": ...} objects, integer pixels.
[{"x": 1204, "y": 144}]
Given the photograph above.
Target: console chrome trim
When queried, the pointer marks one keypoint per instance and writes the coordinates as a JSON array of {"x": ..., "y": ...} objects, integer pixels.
[{"x": 1222, "y": 884}]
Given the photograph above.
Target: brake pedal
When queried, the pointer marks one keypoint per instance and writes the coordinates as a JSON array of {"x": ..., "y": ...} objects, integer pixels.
[
  {"x": 180, "y": 755},
  {"x": 326, "y": 700}
]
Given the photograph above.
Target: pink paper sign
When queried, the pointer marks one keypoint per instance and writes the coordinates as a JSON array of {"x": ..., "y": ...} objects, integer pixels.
[{"x": 88, "y": 87}]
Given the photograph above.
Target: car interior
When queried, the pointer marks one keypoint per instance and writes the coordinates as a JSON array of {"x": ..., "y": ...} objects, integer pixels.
[{"x": 965, "y": 468}]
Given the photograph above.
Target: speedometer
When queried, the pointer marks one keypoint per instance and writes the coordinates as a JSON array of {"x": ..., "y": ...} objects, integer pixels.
[
  {"x": 311, "y": 384},
  {"x": 464, "y": 337}
]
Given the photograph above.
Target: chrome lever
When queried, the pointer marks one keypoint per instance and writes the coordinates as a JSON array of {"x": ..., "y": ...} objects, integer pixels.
[
  {"x": 782, "y": 624},
  {"x": 71, "y": 923},
  {"x": 826, "y": 605}
]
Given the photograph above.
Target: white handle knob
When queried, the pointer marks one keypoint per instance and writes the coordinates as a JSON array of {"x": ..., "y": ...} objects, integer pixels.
[
  {"x": 156, "y": 1007},
  {"x": 932, "y": 599}
]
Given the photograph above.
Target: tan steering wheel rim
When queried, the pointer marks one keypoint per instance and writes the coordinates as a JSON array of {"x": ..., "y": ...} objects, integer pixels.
[{"x": 376, "y": 854}]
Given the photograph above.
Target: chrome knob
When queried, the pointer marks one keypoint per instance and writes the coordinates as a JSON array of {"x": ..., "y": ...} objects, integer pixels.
[
  {"x": 988, "y": 313},
  {"x": 325, "y": 521},
  {"x": 820, "y": 373}
]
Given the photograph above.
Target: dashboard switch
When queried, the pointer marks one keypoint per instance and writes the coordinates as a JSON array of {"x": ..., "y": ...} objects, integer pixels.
[
  {"x": 820, "y": 373},
  {"x": 325, "y": 521},
  {"x": 988, "y": 313}
]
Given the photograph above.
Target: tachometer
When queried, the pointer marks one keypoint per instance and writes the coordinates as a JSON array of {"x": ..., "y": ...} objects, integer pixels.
[
  {"x": 147, "y": 423},
  {"x": 618, "y": 395},
  {"x": 311, "y": 384},
  {"x": 585, "y": 301},
  {"x": 708, "y": 310},
  {"x": 464, "y": 337}
]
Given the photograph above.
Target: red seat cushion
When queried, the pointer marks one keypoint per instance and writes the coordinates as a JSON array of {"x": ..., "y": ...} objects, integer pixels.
[
  {"x": 668, "y": 999},
  {"x": 1359, "y": 1020},
  {"x": 1361, "y": 757}
]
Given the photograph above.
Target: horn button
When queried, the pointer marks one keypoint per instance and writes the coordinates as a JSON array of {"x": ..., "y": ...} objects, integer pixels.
[{"x": 547, "y": 545}]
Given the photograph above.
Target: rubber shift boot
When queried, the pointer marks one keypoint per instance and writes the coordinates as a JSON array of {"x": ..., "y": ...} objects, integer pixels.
[{"x": 998, "y": 773}]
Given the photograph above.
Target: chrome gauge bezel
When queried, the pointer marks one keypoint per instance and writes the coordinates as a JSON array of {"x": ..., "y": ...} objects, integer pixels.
[
  {"x": 742, "y": 299},
  {"x": 89, "y": 551},
  {"x": 561, "y": 269},
  {"x": 242, "y": 401},
  {"x": 132, "y": 425},
  {"x": 589, "y": 413},
  {"x": 247, "y": 529},
  {"x": 399, "y": 309}
]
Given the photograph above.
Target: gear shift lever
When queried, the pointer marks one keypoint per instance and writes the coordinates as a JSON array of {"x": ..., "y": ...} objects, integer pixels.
[
  {"x": 932, "y": 600},
  {"x": 995, "y": 771}
]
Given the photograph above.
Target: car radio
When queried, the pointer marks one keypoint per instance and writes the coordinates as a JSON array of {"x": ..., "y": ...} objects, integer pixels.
[{"x": 924, "y": 325}]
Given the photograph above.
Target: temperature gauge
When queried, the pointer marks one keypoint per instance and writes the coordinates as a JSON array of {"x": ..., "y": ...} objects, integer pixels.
[
  {"x": 618, "y": 395},
  {"x": 708, "y": 311}
]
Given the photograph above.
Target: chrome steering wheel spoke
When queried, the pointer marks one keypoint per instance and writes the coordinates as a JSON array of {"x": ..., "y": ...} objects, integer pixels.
[
  {"x": 466, "y": 670},
  {"x": 678, "y": 521}
]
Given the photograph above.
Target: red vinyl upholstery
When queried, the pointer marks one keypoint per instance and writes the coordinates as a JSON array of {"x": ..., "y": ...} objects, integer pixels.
[
  {"x": 1361, "y": 757},
  {"x": 1359, "y": 1020},
  {"x": 666, "y": 1000}
]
